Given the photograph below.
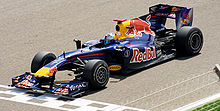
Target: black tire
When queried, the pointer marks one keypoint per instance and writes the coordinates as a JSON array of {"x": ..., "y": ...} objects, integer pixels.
[
  {"x": 40, "y": 59},
  {"x": 97, "y": 73},
  {"x": 189, "y": 41}
]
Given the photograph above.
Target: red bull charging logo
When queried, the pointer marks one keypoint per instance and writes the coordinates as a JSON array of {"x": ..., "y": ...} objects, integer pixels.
[{"x": 140, "y": 26}]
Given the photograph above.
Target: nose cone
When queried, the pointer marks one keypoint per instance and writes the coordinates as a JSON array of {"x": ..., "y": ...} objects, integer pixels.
[{"x": 44, "y": 71}]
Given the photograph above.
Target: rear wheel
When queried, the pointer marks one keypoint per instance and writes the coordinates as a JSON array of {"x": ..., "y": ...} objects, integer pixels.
[
  {"x": 40, "y": 59},
  {"x": 189, "y": 41},
  {"x": 97, "y": 73}
]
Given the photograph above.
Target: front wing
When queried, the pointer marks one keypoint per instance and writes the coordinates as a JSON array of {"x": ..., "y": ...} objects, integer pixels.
[{"x": 29, "y": 81}]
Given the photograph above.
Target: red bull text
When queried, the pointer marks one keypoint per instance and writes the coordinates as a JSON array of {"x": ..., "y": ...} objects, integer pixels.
[{"x": 138, "y": 56}]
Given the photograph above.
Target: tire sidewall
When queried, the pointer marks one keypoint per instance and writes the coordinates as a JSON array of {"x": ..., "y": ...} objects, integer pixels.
[
  {"x": 98, "y": 65},
  {"x": 90, "y": 73},
  {"x": 41, "y": 59},
  {"x": 184, "y": 41},
  {"x": 189, "y": 41}
]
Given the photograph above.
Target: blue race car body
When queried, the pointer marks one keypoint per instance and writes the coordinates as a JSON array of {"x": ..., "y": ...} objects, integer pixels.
[{"x": 137, "y": 43}]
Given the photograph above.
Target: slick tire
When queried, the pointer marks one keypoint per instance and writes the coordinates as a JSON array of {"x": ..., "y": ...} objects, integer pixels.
[
  {"x": 96, "y": 72},
  {"x": 40, "y": 59},
  {"x": 189, "y": 41}
]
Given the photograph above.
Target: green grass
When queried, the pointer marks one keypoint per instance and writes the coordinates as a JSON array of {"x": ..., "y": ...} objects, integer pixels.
[{"x": 212, "y": 106}]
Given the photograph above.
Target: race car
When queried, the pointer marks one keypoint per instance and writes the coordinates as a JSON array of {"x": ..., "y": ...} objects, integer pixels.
[{"x": 137, "y": 43}]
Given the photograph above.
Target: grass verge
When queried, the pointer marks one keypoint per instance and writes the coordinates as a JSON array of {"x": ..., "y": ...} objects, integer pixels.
[{"x": 212, "y": 106}]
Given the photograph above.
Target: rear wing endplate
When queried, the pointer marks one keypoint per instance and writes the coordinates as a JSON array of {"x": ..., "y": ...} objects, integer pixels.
[{"x": 182, "y": 15}]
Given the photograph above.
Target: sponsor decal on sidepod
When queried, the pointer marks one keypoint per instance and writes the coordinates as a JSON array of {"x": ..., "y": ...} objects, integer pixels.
[
  {"x": 115, "y": 67},
  {"x": 147, "y": 55}
]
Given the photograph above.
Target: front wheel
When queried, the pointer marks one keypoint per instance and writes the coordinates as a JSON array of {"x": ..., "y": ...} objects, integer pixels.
[
  {"x": 97, "y": 73},
  {"x": 40, "y": 59}
]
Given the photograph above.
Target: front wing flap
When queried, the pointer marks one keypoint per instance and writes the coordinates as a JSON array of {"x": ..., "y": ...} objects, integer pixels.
[
  {"x": 71, "y": 89},
  {"x": 26, "y": 81}
]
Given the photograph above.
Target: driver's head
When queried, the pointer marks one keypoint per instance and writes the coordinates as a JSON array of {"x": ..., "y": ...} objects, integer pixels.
[{"x": 109, "y": 37}]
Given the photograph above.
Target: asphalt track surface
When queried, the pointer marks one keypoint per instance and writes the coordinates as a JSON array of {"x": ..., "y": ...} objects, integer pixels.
[{"x": 30, "y": 26}]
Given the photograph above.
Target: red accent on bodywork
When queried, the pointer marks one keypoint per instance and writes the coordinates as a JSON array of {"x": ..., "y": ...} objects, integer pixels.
[
  {"x": 119, "y": 20},
  {"x": 90, "y": 55},
  {"x": 140, "y": 26},
  {"x": 97, "y": 54},
  {"x": 95, "y": 42},
  {"x": 134, "y": 44},
  {"x": 52, "y": 70}
]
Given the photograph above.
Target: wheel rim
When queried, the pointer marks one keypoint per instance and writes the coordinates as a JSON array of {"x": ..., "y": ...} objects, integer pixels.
[
  {"x": 101, "y": 74},
  {"x": 195, "y": 41}
]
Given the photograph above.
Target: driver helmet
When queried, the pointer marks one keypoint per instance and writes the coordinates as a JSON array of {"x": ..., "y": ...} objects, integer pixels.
[{"x": 109, "y": 37}]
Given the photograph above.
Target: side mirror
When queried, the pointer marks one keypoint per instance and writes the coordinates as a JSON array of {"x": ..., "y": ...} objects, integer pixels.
[{"x": 78, "y": 43}]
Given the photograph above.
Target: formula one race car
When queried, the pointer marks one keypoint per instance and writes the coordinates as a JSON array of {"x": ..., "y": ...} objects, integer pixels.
[{"x": 137, "y": 43}]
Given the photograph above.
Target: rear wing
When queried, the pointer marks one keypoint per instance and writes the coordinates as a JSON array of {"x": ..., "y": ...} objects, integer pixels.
[{"x": 182, "y": 15}]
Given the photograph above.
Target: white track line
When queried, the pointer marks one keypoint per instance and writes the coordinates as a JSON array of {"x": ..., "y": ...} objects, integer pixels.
[
  {"x": 198, "y": 103},
  {"x": 51, "y": 101}
]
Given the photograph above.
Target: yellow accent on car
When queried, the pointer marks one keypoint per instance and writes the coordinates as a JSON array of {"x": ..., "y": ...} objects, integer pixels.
[
  {"x": 114, "y": 67},
  {"x": 121, "y": 30},
  {"x": 44, "y": 71}
]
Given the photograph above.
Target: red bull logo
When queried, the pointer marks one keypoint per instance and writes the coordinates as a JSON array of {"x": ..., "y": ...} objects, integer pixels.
[
  {"x": 140, "y": 56},
  {"x": 186, "y": 17},
  {"x": 140, "y": 26},
  {"x": 175, "y": 9}
]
